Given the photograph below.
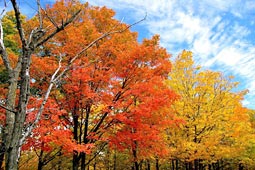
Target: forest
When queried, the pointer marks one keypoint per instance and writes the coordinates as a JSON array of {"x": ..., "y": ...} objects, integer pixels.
[{"x": 79, "y": 91}]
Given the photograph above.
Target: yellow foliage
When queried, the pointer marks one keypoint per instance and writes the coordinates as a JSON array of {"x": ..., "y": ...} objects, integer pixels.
[{"x": 217, "y": 126}]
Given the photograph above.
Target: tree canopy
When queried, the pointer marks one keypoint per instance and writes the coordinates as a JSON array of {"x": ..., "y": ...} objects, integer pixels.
[{"x": 78, "y": 90}]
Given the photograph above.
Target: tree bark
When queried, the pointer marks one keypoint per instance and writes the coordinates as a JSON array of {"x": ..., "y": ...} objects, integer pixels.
[
  {"x": 75, "y": 161},
  {"x": 83, "y": 161},
  {"x": 40, "y": 161},
  {"x": 136, "y": 164},
  {"x": 148, "y": 165},
  {"x": 13, "y": 143},
  {"x": 196, "y": 164},
  {"x": 157, "y": 164}
]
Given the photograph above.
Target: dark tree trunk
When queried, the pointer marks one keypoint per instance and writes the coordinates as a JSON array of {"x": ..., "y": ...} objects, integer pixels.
[
  {"x": 83, "y": 161},
  {"x": 209, "y": 167},
  {"x": 134, "y": 151},
  {"x": 95, "y": 165},
  {"x": 141, "y": 165},
  {"x": 196, "y": 164},
  {"x": 157, "y": 164},
  {"x": 85, "y": 134},
  {"x": 148, "y": 165},
  {"x": 240, "y": 166},
  {"x": 40, "y": 165},
  {"x": 186, "y": 166},
  {"x": 76, "y": 161},
  {"x": 177, "y": 164},
  {"x": 172, "y": 164},
  {"x": 136, "y": 165},
  {"x": 40, "y": 161}
]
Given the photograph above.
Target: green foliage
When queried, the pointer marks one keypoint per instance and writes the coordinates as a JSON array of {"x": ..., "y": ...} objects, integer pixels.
[
  {"x": 3, "y": 76},
  {"x": 10, "y": 31}
]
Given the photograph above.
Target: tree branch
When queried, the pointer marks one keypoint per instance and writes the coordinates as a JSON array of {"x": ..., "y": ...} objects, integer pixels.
[
  {"x": 18, "y": 23},
  {"x": 10, "y": 110},
  {"x": 39, "y": 14},
  {"x": 5, "y": 6},
  {"x": 51, "y": 19},
  {"x": 55, "y": 77},
  {"x": 95, "y": 155},
  {"x": 94, "y": 42},
  {"x": 29, "y": 129},
  {"x": 3, "y": 52},
  {"x": 58, "y": 29}
]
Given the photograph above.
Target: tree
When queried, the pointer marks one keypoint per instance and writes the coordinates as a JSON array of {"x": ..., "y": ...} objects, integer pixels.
[
  {"x": 32, "y": 37},
  {"x": 210, "y": 109},
  {"x": 114, "y": 81}
]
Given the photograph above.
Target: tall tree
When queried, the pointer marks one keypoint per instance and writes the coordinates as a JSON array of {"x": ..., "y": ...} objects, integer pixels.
[
  {"x": 14, "y": 131},
  {"x": 116, "y": 81},
  {"x": 32, "y": 36},
  {"x": 209, "y": 107}
]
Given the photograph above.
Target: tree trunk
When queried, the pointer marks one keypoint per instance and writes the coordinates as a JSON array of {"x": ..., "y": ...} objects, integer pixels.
[
  {"x": 209, "y": 167},
  {"x": 76, "y": 161},
  {"x": 136, "y": 165},
  {"x": 83, "y": 161},
  {"x": 14, "y": 148},
  {"x": 95, "y": 165},
  {"x": 176, "y": 164},
  {"x": 10, "y": 116},
  {"x": 196, "y": 164},
  {"x": 157, "y": 164},
  {"x": 75, "y": 134},
  {"x": 240, "y": 166},
  {"x": 115, "y": 160},
  {"x": 148, "y": 165},
  {"x": 40, "y": 165},
  {"x": 40, "y": 161},
  {"x": 186, "y": 166}
]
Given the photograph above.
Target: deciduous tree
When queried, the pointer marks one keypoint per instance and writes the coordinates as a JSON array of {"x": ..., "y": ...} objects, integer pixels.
[
  {"x": 210, "y": 108},
  {"x": 33, "y": 35}
]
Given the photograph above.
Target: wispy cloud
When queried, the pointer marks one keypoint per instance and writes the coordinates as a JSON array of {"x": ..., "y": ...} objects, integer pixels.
[{"x": 218, "y": 32}]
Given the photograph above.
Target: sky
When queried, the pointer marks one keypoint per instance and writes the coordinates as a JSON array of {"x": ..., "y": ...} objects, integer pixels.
[{"x": 220, "y": 33}]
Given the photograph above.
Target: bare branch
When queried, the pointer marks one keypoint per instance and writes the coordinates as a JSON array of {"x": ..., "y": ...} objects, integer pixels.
[
  {"x": 55, "y": 77},
  {"x": 58, "y": 29},
  {"x": 10, "y": 110},
  {"x": 3, "y": 52},
  {"x": 18, "y": 23},
  {"x": 51, "y": 19},
  {"x": 5, "y": 6},
  {"x": 39, "y": 14},
  {"x": 95, "y": 155},
  {"x": 53, "y": 156},
  {"x": 94, "y": 42},
  {"x": 29, "y": 129}
]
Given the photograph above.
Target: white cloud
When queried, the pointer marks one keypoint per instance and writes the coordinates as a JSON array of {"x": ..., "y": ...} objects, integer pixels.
[{"x": 214, "y": 30}]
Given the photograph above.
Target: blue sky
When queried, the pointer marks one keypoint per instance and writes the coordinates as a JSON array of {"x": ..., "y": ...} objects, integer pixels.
[{"x": 220, "y": 33}]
